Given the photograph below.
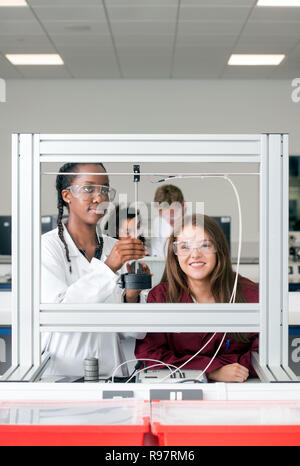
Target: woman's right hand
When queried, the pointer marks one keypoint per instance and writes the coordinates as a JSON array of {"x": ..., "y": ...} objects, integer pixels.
[
  {"x": 230, "y": 373},
  {"x": 124, "y": 250}
]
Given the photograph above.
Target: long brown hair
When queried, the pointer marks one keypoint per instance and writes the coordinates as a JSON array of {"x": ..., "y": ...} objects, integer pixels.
[{"x": 222, "y": 277}]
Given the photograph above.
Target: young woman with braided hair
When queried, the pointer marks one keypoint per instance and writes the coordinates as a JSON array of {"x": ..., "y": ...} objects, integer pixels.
[{"x": 81, "y": 266}]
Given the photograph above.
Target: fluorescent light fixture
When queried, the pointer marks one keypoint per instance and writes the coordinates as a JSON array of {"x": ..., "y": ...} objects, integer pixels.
[
  {"x": 255, "y": 60},
  {"x": 281, "y": 3},
  {"x": 34, "y": 59},
  {"x": 13, "y": 3}
]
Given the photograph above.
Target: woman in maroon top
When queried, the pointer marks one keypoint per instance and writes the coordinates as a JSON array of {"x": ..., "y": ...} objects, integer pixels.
[{"x": 198, "y": 269}]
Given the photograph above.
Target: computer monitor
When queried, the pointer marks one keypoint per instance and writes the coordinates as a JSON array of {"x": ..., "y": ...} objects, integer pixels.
[
  {"x": 5, "y": 238},
  {"x": 49, "y": 222},
  {"x": 46, "y": 223},
  {"x": 225, "y": 223}
]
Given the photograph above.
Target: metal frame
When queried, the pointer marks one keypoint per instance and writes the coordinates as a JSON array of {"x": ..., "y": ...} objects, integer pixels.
[{"x": 269, "y": 317}]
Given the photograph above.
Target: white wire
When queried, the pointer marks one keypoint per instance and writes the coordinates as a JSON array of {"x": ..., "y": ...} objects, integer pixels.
[
  {"x": 218, "y": 349},
  {"x": 233, "y": 295},
  {"x": 134, "y": 360},
  {"x": 194, "y": 355}
]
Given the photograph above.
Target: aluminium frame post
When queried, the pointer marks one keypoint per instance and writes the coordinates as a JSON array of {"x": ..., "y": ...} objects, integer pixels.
[
  {"x": 25, "y": 258},
  {"x": 276, "y": 255}
]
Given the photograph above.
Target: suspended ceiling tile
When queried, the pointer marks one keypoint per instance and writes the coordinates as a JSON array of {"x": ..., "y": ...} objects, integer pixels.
[
  {"x": 20, "y": 27},
  {"x": 219, "y": 2},
  {"x": 267, "y": 42},
  {"x": 149, "y": 50},
  {"x": 290, "y": 68},
  {"x": 7, "y": 70},
  {"x": 212, "y": 27},
  {"x": 143, "y": 27},
  {"x": 25, "y": 42},
  {"x": 279, "y": 28},
  {"x": 206, "y": 40},
  {"x": 86, "y": 40},
  {"x": 196, "y": 62},
  {"x": 246, "y": 72},
  {"x": 262, "y": 49},
  {"x": 275, "y": 14},
  {"x": 145, "y": 66},
  {"x": 142, "y": 13},
  {"x": 44, "y": 72},
  {"x": 144, "y": 40},
  {"x": 16, "y": 14},
  {"x": 91, "y": 62},
  {"x": 72, "y": 13},
  {"x": 139, "y": 3},
  {"x": 295, "y": 53},
  {"x": 72, "y": 3},
  {"x": 23, "y": 49},
  {"x": 80, "y": 27},
  {"x": 89, "y": 51},
  {"x": 211, "y": 13}
]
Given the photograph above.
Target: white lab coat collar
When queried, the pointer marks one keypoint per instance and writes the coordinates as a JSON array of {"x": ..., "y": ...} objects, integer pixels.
[{"x": 73, "y": 249}]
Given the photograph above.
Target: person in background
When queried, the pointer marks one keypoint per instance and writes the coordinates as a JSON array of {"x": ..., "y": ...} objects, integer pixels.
[
  {"x": 198, "y": 269},
  {"x": 170, "y": 202},
  {"x": 80, "y": 265},
  {"x": 122, "y": 224}
]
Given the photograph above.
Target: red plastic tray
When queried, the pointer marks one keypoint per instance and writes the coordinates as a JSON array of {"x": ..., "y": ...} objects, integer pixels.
[
  {"x": 70, "y": 435},
  {"x": 227, "y": 435}
]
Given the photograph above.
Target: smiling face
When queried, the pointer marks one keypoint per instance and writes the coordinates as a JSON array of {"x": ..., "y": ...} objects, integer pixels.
[
  {"x": 92, "y": 207},
  {"x": 198, "y": 264}
]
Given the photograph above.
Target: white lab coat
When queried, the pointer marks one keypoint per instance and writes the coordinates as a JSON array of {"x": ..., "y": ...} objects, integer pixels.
[
  {"x": 159, "y": 237},
  {"x": 89, "y": 282}
]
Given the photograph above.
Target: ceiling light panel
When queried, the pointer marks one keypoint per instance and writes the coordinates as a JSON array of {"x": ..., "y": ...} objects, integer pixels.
[
  {"x": 255, "y": 60},
  {"x": 10, "y": 3},
  {"x": 35, "y": 59},
  {"x": 279, "y": 3}
]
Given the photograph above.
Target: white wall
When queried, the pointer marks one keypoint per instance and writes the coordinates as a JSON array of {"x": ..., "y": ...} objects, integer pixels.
[{"x": 146, "y": 106}]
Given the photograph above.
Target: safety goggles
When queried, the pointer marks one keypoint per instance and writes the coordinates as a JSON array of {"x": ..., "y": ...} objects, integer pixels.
[
  {"x": 184, "y": 248},
  {"x": 85, "y": 192}
]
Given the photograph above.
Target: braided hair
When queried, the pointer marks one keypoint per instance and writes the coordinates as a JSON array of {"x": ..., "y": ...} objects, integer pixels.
[{"x": 63, "y": 182}]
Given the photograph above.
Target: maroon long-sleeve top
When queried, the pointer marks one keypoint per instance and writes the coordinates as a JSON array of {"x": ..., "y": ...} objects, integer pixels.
[{"x": 177, "y": 348}]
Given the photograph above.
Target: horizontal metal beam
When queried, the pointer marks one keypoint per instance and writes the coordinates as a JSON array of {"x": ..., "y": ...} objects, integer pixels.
[
  {"x": 238, "y": 148},
  {"x": 140, "y": 158},
  {"x": 170, "y": 308},
  {"x": 150, "y": 317},
  {"x": 149, "y": 137}
]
